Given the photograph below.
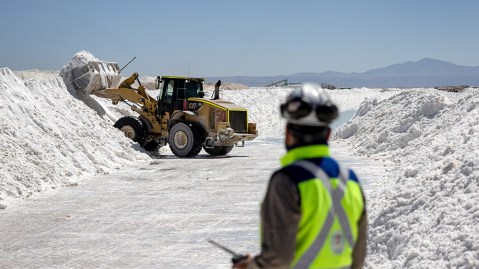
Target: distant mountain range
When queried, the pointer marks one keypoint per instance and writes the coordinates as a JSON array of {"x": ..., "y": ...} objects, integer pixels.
[{"x": 423, "y": 73}]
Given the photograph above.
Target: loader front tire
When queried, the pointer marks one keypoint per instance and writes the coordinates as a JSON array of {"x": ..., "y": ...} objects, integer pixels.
[
  {"x": 185, "y": 140},
  {"x": 132, "y": 128},
  {"x": 218, "y": 150}
]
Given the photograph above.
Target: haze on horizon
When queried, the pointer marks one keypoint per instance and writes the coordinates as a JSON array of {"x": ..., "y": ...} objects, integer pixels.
[{"x": 224, "y": 38}]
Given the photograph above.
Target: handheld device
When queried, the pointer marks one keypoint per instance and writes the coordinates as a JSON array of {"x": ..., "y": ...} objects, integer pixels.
[{"x": 236, "y": 257}]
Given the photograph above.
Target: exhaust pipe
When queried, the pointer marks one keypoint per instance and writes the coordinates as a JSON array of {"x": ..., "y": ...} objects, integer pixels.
[{"x": 217, "y": 90}]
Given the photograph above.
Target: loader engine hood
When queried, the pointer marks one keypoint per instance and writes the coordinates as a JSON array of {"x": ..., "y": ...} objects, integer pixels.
[
  {"x": 229, "y": 115},
  {"x": 218, "y": 103}
]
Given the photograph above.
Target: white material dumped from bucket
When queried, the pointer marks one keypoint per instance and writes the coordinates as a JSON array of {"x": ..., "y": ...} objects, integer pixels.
[
  {"x": 50, "y": 139},
  {"x": 96, "y": 76},
  {"x": 87, "y": 74},
  {"x": 80, "y": 60}
]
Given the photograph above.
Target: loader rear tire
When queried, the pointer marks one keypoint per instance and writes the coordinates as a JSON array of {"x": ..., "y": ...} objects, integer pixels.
[
  {"x": 132, "y": 128},
  {"x": 218, "y": 150},
  {"x": 185, "y": 140}
]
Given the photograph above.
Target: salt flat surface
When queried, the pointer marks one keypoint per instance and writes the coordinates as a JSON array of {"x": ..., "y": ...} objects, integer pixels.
[
  {"x": 158, "y": 214},
  {"x": 422, "y": 181}
]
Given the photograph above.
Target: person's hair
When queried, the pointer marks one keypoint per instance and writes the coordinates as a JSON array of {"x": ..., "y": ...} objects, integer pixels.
[{"x": 305, "y": 135}]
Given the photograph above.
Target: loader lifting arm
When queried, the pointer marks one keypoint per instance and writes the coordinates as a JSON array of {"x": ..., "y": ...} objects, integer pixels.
[
  {"x": 129, "y": 81},
  {"x": 125, "y": 92}
]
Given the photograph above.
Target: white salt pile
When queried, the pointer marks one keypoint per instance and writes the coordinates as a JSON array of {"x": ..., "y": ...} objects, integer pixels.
[
  {"x": 49, "y": 139},
  {"x": 426, "y": 213}
]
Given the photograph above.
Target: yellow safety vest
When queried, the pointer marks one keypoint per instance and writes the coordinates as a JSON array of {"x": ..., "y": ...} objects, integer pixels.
[{"x": 330, "y": 211}]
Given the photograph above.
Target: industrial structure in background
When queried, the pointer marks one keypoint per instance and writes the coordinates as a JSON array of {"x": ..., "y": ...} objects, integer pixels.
[
  {"x": 286, "y": 83},
  {"x": 283, "y": 83},
  {"x": 451, "y": 88}
]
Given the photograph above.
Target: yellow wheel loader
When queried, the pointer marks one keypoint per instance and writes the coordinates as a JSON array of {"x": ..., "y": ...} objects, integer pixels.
[{"x": 181, "y": 116}]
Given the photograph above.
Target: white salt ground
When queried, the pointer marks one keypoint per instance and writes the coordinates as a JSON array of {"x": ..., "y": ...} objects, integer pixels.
[{"x": 425, "y": 214}]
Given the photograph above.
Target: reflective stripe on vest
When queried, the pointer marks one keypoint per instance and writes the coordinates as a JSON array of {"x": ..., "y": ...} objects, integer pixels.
[{"x": 336, "y": 210}]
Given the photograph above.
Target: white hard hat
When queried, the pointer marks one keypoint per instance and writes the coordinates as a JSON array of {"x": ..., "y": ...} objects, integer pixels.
[{"x": 310, "y": 106}]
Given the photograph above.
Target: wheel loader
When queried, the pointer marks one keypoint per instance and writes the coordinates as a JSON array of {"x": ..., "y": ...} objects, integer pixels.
[{"x": 181, "y": 116}]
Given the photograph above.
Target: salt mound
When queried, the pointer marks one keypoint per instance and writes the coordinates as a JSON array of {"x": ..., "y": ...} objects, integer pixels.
[
  {"x": 36, "y": 74},
  {"x": 225, "y": 86},
  {"x": 263, "y": 104},
  {"x": 394, "y": 123},
  {"x": 51, "y": 139},
  {"x": 425, "y": 214},
  {"x": 263, "y": 108}
]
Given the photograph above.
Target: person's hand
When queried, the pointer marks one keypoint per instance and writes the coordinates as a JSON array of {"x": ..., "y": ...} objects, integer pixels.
[{"x": 243, "y": 264}]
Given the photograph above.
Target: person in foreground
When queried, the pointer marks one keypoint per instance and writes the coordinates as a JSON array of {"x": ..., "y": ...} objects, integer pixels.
[{"x": 313, "y": 214}]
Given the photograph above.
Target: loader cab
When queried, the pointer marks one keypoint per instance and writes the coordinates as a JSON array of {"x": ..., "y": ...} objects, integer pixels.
[{"x": 175, "y": 91}]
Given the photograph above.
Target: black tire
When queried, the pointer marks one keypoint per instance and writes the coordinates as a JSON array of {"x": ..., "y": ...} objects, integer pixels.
[
  {"x": 185, "y": 140},
  {"x": 151, "y": 146},
  {"x": 132, "y": 128},
  {"x": 218, "y": 150}
]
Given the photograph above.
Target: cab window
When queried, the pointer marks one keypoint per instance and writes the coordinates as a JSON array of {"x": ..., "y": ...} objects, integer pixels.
[
  {"x": 192, "y": 88},
  {"x": 169, "y": 91}
]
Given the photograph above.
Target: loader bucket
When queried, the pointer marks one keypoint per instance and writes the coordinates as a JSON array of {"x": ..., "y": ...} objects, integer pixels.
[{"x": 96, "y": 76}]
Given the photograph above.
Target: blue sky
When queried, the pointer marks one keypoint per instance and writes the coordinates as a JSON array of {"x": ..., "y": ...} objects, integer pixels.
[{"x": 222, "y": 38}]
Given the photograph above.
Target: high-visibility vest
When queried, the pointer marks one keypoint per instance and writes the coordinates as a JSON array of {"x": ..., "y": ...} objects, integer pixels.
[{"x": 330, "y": 211}]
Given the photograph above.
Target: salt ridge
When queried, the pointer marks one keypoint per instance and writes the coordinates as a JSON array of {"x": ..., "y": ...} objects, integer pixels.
[
  {"x": 425, "y": 214},
  {"x": 50, "y": 139}
]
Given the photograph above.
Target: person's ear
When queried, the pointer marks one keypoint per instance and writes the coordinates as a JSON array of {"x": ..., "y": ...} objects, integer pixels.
[
  {"x": 328, "y": 133},
  {"x": 289, "y": 138}
]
